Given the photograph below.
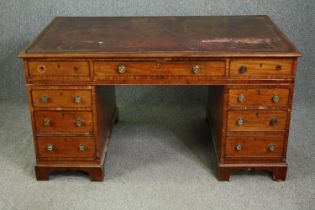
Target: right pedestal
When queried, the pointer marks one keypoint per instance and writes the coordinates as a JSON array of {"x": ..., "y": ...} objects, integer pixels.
[{"x": 249, "y": 126}]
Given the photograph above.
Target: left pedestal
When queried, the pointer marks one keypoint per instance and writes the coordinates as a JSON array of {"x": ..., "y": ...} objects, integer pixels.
[{"x": 71, "y": 127}]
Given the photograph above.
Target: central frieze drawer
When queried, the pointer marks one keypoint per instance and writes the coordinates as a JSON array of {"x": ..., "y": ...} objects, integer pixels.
[
  {"x": 57, "y": 147},
  {"x": 189, "y": 68},
  {"x": 63, "y": 122},
  {"x": 256, "y": 120},
  {"x": 61, "y": 98}
]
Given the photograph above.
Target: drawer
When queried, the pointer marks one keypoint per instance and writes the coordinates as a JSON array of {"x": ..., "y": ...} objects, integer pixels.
[
  {"x": 189, "y": 68},
  {"x": 258, "y": 97},
  {"x": 261, "y": 68},
  {"x": 63, "y": 122},
  {"x": 74, "y": 147},
  {"x": 210, "y": 68},
  {"x": 256, "y": 120},
  {"x": 61, "y": 98},
  {"x": 107, "y": 68},
  {"x": 254, "y": 146},
  {"x": 58, "y": 69}
]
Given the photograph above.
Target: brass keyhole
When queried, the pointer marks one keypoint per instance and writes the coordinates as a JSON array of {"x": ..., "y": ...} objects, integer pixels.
[
  {"x": 243, "y": 69},
  {"x": 41, "y": 68}
]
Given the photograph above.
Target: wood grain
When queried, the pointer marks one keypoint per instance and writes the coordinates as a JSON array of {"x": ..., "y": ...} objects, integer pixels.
[
  {"x": 104, "y": 68},
  {"x": 61, "y": 98},
  {"x": 58, "y": 70},
  {"x": 254, "y": 146},
  {"x": 256, "y": 120},
  {"x": 66, "y": 147},
  {"x": 210, "y": 68},
  {"x": 258, "y": 97},
  {"x": 260, "y": 68},
  {"x": 63, "y": 122},
  {"x": 216, "y": 117}
]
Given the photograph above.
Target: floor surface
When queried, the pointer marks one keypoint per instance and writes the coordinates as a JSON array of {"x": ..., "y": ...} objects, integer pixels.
[{"x": 160, "y": 157}]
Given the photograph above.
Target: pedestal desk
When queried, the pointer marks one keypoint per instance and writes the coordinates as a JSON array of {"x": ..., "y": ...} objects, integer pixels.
[{"x": 72, "y": 67}]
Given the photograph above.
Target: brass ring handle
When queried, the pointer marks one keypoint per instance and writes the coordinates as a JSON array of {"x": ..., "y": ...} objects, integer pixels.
[
  {"x": 82, "y": 147},
  {"x": 238, "y": 147},
  {"x": 44, "y": 99},
  {"x": 275, "y": 98},
  {"x": 47, "y": 122},
  {"x": 271, "y": 147},
  {"x": 79, "y": 122},
  {"x": 273, "y": 121},
  {"x": 77, "y": 99},
  {"x": 196, "y": 69},
  {"x": 243, "y": 69},
  {"x": 50, "y": 147},
  {"x": 240, "y": 121},
  {"x": 241, "y": 98},
  {"x": 121, "y": 69},
  {"x": 41, "y": 68}
]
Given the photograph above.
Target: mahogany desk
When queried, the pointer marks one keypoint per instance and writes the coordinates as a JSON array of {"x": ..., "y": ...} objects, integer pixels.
[{"x": 248, "y": 64}]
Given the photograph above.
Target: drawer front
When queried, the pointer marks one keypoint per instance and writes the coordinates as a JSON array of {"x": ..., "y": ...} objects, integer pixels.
[
  {"x": 189, "y": 68},
  {"x": 258, "y": 97},
  {"x": 106, "y": 68},
  {"x": 63, "y": 122},
  {"x": 74, "y": 147},
  {"x": 256, "y": 120},
  {"x": 58, "y": 69},
  {"x": 272, "y": 68},
  {"x": 254, "y": 146},
  {"x": 61, "y": 98}
]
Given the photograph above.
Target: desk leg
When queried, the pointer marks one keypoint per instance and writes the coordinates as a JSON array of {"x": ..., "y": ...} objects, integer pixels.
[
  {"x": 96, "y": 173},
  {"x": 224, "y": 174},
  {"x": 42, "y": 173}
]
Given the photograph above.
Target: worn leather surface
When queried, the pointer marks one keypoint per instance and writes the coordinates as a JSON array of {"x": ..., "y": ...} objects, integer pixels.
[{"x": 207, "y": 34}]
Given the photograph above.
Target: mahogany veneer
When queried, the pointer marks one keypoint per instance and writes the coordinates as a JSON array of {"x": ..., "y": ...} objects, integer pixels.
[{"x": 247, "y": 62}]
